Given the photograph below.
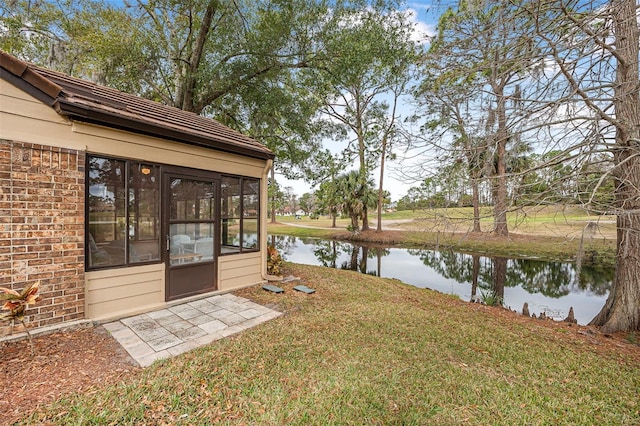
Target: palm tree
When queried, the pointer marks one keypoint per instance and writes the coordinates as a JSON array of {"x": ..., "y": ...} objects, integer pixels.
[{"x": 357, "y": 192}]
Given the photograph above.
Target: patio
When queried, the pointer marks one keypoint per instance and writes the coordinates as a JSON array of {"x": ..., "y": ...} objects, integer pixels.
[{"x": 182, "y": 327}]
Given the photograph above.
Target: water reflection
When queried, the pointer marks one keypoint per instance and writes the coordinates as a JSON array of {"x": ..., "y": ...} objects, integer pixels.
[{"x": 550, "y": 287}]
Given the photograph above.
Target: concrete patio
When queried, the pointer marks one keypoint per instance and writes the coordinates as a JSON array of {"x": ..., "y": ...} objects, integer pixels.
[{"x": 171, "y": 331}]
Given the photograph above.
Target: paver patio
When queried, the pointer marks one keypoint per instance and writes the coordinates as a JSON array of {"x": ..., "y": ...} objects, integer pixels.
[{"x": 171, "y": 331}]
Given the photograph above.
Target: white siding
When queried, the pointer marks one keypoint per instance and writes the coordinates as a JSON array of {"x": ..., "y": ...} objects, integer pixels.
[
  {"x": 124, "y": 291},
  {"x": 239, "y": 270}
]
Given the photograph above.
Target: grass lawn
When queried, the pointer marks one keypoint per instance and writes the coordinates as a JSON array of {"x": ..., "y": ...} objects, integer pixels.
[{"x": 365, "y": 350}]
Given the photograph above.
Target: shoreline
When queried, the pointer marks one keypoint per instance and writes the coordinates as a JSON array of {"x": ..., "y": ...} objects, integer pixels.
[{"x": 594, "y": 251}]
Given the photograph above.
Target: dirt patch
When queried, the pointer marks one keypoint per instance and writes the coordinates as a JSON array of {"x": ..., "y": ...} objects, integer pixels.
[
  {"x": 376, "y": 237},
  {"x": 63, "y": 363}
]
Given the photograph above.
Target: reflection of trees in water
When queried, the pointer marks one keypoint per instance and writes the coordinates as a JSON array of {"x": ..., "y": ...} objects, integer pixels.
[
  {"x": 359, "y": 259},
  {"x": 499, "y": 278},
  {"x": 458, "y": 266},
  {"x": 596, "y": 279},
  {"x": 475, "y": 272},
  {"x": 327, "y": 252},
  {"x": 486, "y": 274},
  {"x": 552, "y": 279},
  {"x": 284, "y": 243}
]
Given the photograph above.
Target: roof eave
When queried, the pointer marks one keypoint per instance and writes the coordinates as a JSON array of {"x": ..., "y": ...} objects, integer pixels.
[
  {"x": 21, "y": 75},
  {"x": 101, "y": 117},
  {"x": 27, "y": 87}
]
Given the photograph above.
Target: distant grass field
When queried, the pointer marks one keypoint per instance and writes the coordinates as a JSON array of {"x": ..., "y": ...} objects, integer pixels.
[
  {"x": 562, "y": 221},
  {"x": 559, "y": 221}
]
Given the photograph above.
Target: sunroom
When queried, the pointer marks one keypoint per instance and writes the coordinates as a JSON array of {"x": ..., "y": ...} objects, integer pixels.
[{"x": 141, "y": 204}]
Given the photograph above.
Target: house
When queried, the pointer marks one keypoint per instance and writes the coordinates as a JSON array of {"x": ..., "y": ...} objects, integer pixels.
[{"x": 119, "y": 205}]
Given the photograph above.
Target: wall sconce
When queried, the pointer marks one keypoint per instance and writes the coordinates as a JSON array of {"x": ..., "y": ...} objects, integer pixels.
[{"x": 145, "y": 170}]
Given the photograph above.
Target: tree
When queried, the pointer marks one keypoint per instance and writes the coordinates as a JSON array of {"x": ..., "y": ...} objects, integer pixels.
[
  {"x": 308, "y": 203},
  {"x": 291, "y": 200},
  {"x": 570, "y": 82},
  {"x": 357, "y": 193},
  {"x": 371, "y": 55},
  {"x": 240, "y": 62},
  {"x": 281, "y": 116},
  {"x": 594, "y": 183},
  {"x": 329, "y": 199},
  {"x": 276, "y": 199},
  {"x": 446, "y": 101},
  {"x": 622, "y": 308},
  {"x": 73, "y": 37},
  {"x": 196, "y": 55},
  {"x": 592, "y": 50},
  {"x": 401, "y": 76},
  {"x": 446, "y": 97},
  {"x": 323, "y": 173},
  {"x": 487, "y": 44}
]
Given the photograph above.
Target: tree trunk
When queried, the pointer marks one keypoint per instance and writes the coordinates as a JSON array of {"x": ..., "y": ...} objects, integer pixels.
[
  {"x": 365, "y": 218},
  {"x": 380, "y": 190},
  {"x": 499, "y": 184},
  {"x": 273, "y": 204},
  {"x": 499, "y": 206},
  {"x": 476, "y": 206},
  {"x": 621, "y": 311},
  {"x": 354, "y": 222},
  {"x": 361, "y": 157},
  {"x": 188, "y": 80}
]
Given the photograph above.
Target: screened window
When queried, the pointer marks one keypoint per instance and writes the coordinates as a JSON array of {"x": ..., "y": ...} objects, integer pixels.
[
  {"x": 191, "y": 220},
  {"x": 123, "y": 212},
  {"x": 239, "y": 204},
  {"x": 123, "y": 216}
]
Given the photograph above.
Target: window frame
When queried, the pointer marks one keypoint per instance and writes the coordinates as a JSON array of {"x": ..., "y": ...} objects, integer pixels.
[
  {"x": 161, "y": 213},
  {"x": 128, "y": 163},
  {"x": 240, "y": 249}
]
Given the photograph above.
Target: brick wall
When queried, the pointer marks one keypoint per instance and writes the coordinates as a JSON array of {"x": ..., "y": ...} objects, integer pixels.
[{"x": 42, "y": 228}]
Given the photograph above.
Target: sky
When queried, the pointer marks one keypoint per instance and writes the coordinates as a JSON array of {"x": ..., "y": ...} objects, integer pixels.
[{"x": 424, "y": 18}]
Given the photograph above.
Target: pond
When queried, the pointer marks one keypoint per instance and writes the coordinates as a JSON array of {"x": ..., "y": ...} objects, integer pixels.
[{"x": 549, "y": 287}]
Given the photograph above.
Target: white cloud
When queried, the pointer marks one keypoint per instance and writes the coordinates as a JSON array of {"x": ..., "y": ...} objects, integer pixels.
[
  {"x": 423, "y": 31},
  {"x": 426, "y": 6}
]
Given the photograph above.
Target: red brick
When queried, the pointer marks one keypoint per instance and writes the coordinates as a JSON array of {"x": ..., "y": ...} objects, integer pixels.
[
  {"x": 42, "y": 209},
  {"x": 41, "y": 317}
]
